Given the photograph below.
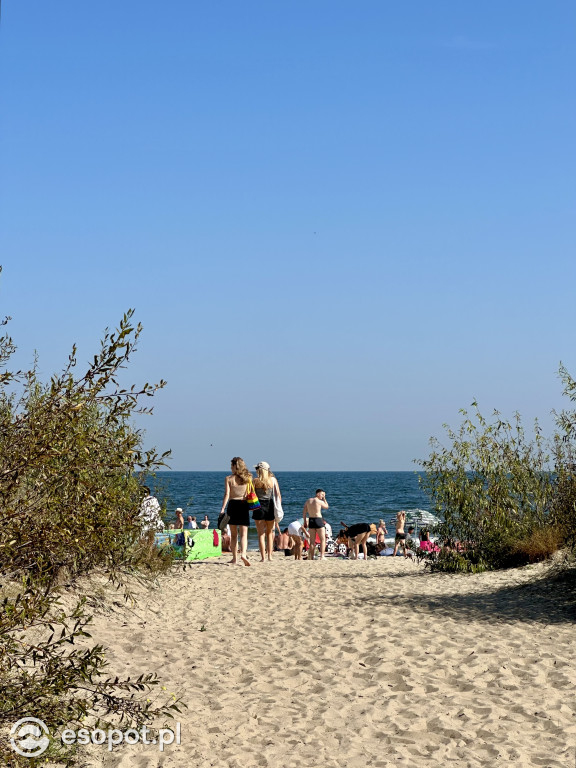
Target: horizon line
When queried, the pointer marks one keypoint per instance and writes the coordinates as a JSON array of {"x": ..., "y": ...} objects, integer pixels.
[{"x": 292, "y": 470}]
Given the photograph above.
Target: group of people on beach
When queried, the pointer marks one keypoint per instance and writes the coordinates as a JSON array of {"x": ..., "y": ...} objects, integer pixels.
[
  {"x": 302, "y": 535},
  {"x": 235, "y": 505},
  {"x": 191, "y": 523},
  {"x": 309, "y": 531}
]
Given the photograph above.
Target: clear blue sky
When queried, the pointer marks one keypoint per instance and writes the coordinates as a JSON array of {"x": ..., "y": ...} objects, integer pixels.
[{"x": 339, "y": 222}]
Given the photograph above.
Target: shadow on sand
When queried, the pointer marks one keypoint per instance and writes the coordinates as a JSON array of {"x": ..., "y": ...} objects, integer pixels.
[{"x": 549, "y": 599}]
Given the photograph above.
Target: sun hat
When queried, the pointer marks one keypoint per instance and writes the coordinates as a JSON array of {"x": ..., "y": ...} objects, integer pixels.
[
  {"x": 262, "y": 465},
  {"x": 179, "y": 509}
]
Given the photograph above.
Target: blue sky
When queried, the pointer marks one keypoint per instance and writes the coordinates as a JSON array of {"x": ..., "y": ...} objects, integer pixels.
[{"x": 339, "y": 222}]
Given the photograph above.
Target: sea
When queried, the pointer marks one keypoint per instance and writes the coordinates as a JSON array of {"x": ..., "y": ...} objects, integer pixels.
[{"x": 354, "y": 497}]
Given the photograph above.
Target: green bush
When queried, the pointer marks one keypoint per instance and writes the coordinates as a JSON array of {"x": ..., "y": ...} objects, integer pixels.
[
  {"x": 564, "y": 504},
  {"x": 510, "y": 500},
  {"x": 450, "y": 561},
  {"x": 491, "y": 486},
  {"x": 69, "y": 497},
  {"x": 69, "y": 501}
]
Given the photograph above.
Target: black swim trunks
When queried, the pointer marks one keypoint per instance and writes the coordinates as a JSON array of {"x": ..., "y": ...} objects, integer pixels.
[
  {"x": 357, "y": 529},
  {"x": 316, "y": 522},
  {"x": 400, "y": 537}
]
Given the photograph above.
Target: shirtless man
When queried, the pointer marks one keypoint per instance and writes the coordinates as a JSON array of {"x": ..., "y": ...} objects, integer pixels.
[
  {"x": 400, "y": 538},
  {"x": 284, "y": 542},
  {"x": 314, "y": 522}
]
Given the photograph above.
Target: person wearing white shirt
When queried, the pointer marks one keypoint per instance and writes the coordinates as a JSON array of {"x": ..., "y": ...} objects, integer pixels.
[
  {"x": 298, "y": 533},
  {"x": 149, "y": 513}
]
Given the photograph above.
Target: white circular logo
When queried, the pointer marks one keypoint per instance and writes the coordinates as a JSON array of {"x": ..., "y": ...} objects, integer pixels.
[{"x": 28, "y": 737}]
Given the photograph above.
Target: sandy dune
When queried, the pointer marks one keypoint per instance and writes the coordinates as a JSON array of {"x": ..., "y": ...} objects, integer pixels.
[{"x": 353, "y": 663}]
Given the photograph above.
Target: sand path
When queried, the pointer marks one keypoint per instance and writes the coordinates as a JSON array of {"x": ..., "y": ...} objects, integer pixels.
[{"x": 343, "y": 663}]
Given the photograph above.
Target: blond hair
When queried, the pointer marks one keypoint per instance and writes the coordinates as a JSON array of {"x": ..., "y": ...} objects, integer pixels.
[
  {"x": 264, "y": 479},
  {"x": 240, "y": 469}
]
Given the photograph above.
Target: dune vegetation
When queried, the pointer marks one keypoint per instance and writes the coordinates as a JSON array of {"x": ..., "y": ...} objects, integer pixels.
[
  {"x": 70, "y": 463},
  {"x": 506, "y": 499}
]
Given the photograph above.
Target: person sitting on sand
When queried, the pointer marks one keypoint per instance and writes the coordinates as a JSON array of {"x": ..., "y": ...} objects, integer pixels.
[
  {"x": 314, "y": 521},
  {"x": 357, "y": 537},
  {"x": 235, "y": 488},
  {"x": 226, "y": 542},
  {"x": 298, "y": 534},
  {"x": 285, "y": 542},
  {"x": 400, "y": 538},
  {"x": 426, "y": 545},
  {"x": 205, "y": 524},
  {"x": 411, "y": 534}
]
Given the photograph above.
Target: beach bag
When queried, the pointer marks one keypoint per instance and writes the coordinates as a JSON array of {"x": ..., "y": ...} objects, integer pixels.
[
  {"x": 251, "y": 497},
  {"x": 278, "y": 511},
  {"x": 223, "y": 521}
]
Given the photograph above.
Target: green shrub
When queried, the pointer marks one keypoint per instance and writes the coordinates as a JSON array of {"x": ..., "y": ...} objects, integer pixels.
[
  {"x": 450, "y": 561},
  {"x": 491, "y": 486},
  {"x": 43, "y": 674},
  {"x": 69, "y": 501},
  {"x": 69, "y": 497},
  {"x": 564, "y": 505}
]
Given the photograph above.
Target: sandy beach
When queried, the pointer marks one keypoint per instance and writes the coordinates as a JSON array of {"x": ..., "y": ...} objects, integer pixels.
[{"x": 352, "y": 663}]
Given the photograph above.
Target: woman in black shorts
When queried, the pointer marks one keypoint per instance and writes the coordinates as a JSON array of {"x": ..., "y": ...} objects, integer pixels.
[
  {"x": 358, "y": 535},
  {"x": 234, "y": 496},
  {"x": 266, "y": 487}
]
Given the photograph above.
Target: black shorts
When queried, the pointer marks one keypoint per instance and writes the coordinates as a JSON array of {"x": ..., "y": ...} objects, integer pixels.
[
  {"x": 400, "y": 537},
  {"x": 316, "y": 522},
  {"x": 357, "y": 529},
  {"x": 239, "y": 512},
  {"x": 266, "y": 511}
]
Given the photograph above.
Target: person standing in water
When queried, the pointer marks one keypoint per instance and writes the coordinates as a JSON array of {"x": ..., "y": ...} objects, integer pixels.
[
  {"x": 235, "y": 489},
  {"x": 314, "y": 522}
]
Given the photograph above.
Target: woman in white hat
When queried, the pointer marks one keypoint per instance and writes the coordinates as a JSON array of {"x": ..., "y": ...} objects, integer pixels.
[{"x": 266, "y": 487}]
